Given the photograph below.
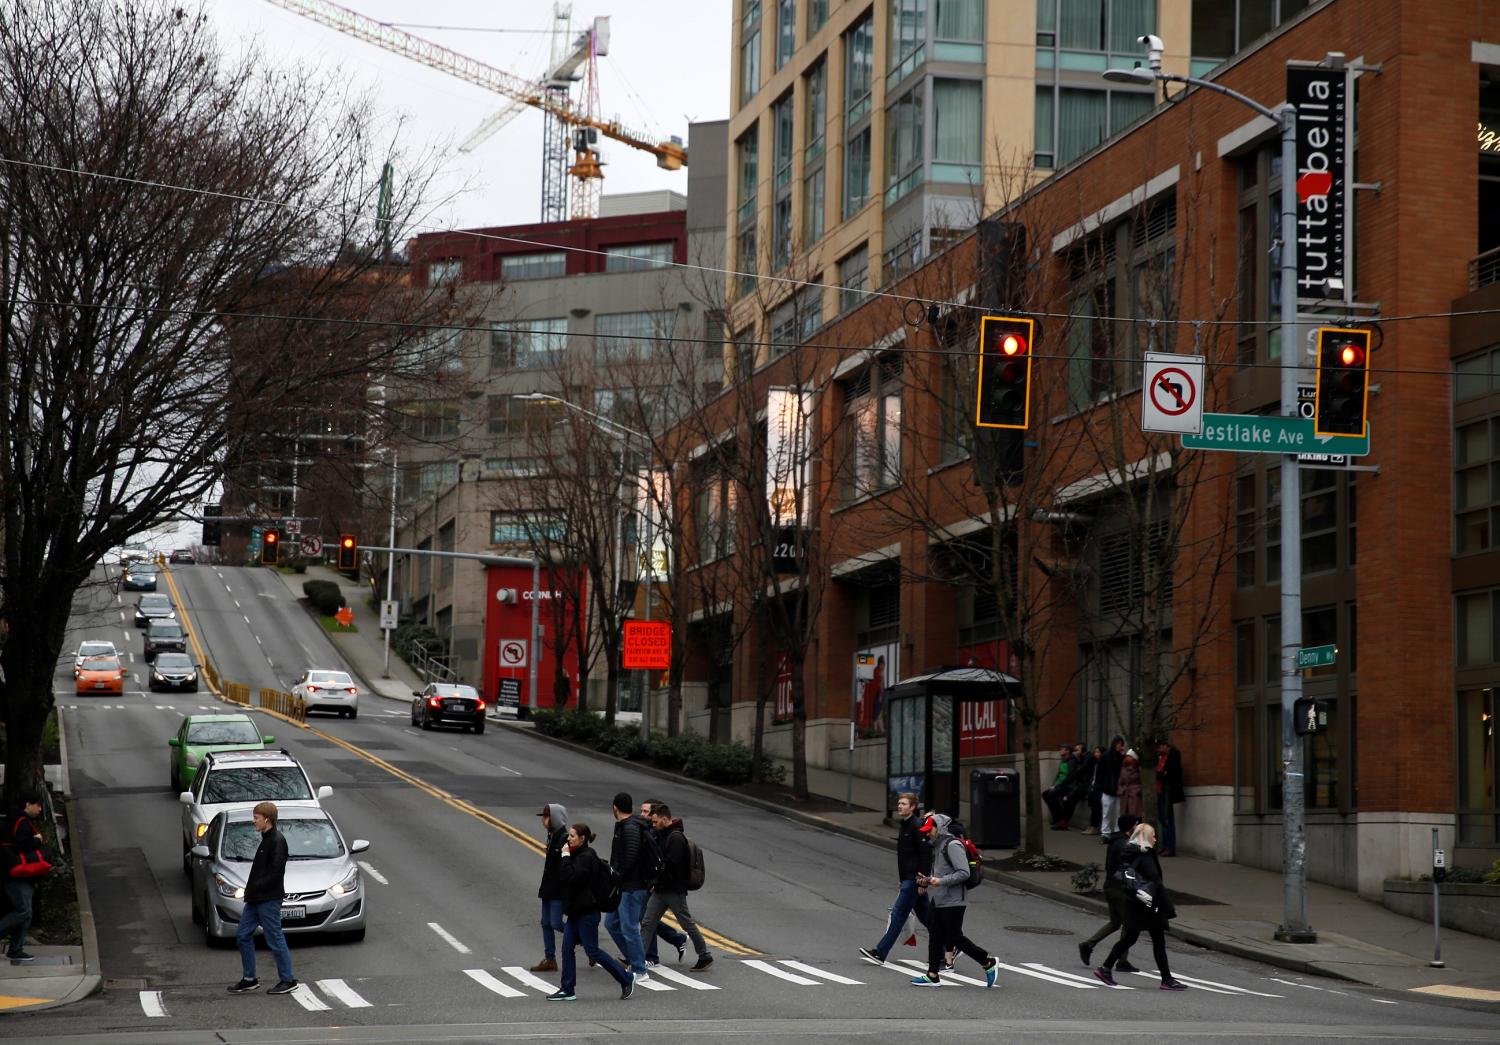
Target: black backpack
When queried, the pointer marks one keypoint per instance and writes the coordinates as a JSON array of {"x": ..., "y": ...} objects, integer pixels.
[
  {"x": 606, "y": 888},
  {"x": 648, "y": 859}
]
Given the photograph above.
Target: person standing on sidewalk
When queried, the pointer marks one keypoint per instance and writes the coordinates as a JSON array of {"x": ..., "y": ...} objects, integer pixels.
[
  {"x": 1128, "y": 788},
  {"x": 21, "y": 837},
  {"x": 555, "y": 828},
  {"x": 1141, "y": 916},
  {"x": 632, "y": 854},
  {"x": 585, "y": 881},
  {"x": 913, "y": 857},
  {"x": 1114, "y": 895},
  {"x": 663, "y": 930},
  {"x": 947, "y": 891},
  {"x": 671, "y": 889},
  {"x": 1095, "y": 796},
  {"x": 265, "y": 888},
  {"x": 1169, "y": 792},
  {"x": 1109, "y": 781}
]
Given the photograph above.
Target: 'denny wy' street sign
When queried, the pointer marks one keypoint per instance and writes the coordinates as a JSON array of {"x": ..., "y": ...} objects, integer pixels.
[
  {"x": 1316, "y": 656},
  {"x": 1255, "y": 433}
]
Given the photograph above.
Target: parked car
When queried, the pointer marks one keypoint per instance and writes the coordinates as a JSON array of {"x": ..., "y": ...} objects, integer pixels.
[
  {"x": 324, "y": 690},
  {"x": 447, "y": 703},
  {"x": 99, "y": 675},
  {"x": 324, "y": 892},
  {"x": 164, "y": 636},
  {"x": 139, "y": 576},
  {"x": 173, "y": 671},
  {"x": 154, "y": 607},
  {"x": 92, "y": 648},
  {"x": 182, "y": 557},
  {"x": 239, "y": 779},
  {"x": 201, "y": 734}
]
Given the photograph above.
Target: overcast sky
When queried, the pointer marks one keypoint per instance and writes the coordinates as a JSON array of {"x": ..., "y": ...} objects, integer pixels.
[{"x": 668, "y": 64}]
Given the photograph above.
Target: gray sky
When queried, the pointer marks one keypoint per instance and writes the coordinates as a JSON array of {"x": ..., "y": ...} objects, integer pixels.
[{"x": 668, "y": 64}]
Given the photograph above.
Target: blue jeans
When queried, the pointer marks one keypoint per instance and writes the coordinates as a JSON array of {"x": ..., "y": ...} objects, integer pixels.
[
  {"x": 552, "y": 924},
  {"x": 624, "y": 927},
  {"x": 907, "y": 900},
  {"x": 18, "y": 891},
  {"x": 585, "y": 930},
  {"x": 1167, "y": 818},
  {"x": 267, "y": 915}
]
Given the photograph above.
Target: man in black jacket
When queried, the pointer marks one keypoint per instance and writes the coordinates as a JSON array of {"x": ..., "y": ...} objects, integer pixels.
[
  {"x": 555, "y": 827},
  {"x": 671, "y": 889},
  {"x": 663, "y": 930},
  {"x": 1117, "y": 900},
  {"x": 1169, "y": 792},
  {"x": 264, "y": 891},
  {"x": 633, "y": 855},
  {"x": 1107, "y": 780},
  {"x": 913, "y": 856},
  {"x": 21, "y": 835}
]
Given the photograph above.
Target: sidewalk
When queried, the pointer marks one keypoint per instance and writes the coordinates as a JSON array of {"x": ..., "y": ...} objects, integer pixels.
[{"x": 1224, "y": 907}]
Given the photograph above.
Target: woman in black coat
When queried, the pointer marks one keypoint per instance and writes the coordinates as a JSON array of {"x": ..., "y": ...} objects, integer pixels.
[
  {"x": 585, "y": 881},
  {"x": 1141, "y": 917}
]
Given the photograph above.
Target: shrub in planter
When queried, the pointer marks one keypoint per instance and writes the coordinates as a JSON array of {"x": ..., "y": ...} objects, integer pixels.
[{"x": 324, "y": 596}]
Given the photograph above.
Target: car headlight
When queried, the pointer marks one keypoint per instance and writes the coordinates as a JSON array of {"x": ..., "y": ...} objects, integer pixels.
[
  {"x": 229, "y": 889},
  {"x": 348, "y": 885},
  {"x": 192, "y": 758},
  {"x": 158, "y": 676}
]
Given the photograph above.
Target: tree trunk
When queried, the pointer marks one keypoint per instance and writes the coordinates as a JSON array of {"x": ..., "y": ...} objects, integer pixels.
[
  {"x": 799, "y": 728},
  {"x": 28, "y": 659},
  {"x": 765, "y": 686},
  {"x": 713, "y": 706},
  {"x": 1031, "y": 771},
  {"x": 612, "y": 684}
]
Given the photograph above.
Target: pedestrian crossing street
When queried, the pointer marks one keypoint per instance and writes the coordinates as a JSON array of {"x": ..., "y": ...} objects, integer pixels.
[{"x": 515, "y": 983}]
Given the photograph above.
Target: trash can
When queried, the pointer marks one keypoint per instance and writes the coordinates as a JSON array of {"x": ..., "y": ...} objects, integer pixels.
[{"x": 995, "y": 808}]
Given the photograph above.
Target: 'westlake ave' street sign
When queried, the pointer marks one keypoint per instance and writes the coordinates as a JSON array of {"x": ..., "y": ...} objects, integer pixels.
[{"x": 1255, "y": 433}]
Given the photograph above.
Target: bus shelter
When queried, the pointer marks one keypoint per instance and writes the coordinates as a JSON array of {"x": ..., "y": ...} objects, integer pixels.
[{"x": 922, "y": 746}]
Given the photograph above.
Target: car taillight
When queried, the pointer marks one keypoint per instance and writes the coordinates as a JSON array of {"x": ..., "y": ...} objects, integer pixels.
[
  {"x": 354, "y": 690},
  {"x": 479, "y": 705}
]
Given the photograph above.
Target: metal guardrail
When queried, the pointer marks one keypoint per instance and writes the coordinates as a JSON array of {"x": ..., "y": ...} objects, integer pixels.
[
  {"x": 236, "y": 693},
  {"x": 211, "y": 676},
  {"x": 283, "y": 703},
  {"x": 433, "y": 669},
  {"x": 1484, "y": 269}
]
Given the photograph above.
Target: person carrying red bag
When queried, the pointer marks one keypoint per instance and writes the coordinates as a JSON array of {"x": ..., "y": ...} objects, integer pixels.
[{"x": 25, "y": 865}]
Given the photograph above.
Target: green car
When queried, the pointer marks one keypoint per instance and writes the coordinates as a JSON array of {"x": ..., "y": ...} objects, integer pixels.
[{"x": 200, "y": 734}]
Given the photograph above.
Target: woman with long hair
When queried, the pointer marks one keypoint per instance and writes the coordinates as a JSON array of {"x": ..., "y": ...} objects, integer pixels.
[{"x": 1147, "y": 909}]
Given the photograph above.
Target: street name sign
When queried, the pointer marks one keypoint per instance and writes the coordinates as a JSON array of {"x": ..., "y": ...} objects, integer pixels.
[
  {"x": 1271, "y": 434},
  {"x": 1316, "y": 656}
]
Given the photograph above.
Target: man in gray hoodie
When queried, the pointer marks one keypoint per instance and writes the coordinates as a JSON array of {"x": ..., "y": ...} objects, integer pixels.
[
  {"x": 555, "y": 827},
  {"x": 947, "y": 896}
]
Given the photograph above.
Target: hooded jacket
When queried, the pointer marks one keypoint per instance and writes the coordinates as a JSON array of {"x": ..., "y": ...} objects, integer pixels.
[
  {"x": 583, "y": 877},
  {"x": 551, "y": 887},
  {"x": 1107, "y": 779},
  {"x": 950, "y": 866},
  {"x": 675, "y": 859}
]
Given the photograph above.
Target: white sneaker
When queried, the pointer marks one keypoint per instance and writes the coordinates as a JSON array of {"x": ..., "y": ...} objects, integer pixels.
[
  {"x": 643, "y": 977},
  {"x": 651, "y": 964}
]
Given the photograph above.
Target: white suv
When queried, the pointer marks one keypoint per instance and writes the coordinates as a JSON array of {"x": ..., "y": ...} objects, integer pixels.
[
  {"x": 328, "y": 691},
  {"x": 238, "y": 780}
]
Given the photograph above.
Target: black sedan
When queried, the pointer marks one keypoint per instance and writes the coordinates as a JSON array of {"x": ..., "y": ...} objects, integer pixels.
[
  {"x": 448, "y": 704},
  {"x": 139, "y": 576},
  {"x": 154, "y": 607},
  {"x": 173, "y": 671}
]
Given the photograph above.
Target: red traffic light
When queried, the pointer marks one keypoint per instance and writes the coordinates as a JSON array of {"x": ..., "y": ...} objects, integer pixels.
[
  {"x": 1350, "y": 355},
  {"x": 272, "y": 536},
  {"x": 347, "y": 542},
  {"x": 1013, "y": 345}
]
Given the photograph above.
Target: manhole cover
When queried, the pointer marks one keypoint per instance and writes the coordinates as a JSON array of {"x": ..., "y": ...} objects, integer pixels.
[
  {"x": 1039, "y": 930},
  {"x": 125, "y": 985}
]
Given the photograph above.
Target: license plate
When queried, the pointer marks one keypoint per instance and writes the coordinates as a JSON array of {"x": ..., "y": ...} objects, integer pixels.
[
  {"x": 297, "y": 911},
  {"x": 98, "y": 685},
  {"x": 456, "y": 705}
]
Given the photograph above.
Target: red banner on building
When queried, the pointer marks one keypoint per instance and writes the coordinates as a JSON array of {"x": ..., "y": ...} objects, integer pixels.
[{"x": 984, "y": 728}]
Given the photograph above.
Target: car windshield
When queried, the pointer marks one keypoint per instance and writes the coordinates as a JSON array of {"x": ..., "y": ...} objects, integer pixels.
[
  {"x": 101, "y": 664},
  {"x": 94, "y": 649},
  {"x": 306, "y": 839},
  {"x": 155, "y": 602},
  {"x": 338, "y": 678},
  {"x": 174, "y": 662},
  {"x": 165, "y": 630},
  {"x": 231, "y": 732},
  {"x": 256, "y": 784},
  {"x": 138, "y": 569}
]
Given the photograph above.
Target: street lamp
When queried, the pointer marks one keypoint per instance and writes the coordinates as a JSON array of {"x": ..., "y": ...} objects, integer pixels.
[
  {"x": 1294, "y": 927},
  {"x": 390, "y": 568},
  {"x": 614, "y": 427}
]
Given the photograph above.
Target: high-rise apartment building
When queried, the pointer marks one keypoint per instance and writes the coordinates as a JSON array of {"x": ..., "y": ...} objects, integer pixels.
[{"x": 866, "y": 136}]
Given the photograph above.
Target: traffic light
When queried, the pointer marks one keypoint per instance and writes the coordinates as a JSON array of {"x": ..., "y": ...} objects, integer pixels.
[
  {"x": 1343, "y": 381},
  {"x": 270, "y": 547},
  {"x": 213, "y": 532},
  {"x": 1004, "y": 372},
  {"x": 348, "y": 545}
]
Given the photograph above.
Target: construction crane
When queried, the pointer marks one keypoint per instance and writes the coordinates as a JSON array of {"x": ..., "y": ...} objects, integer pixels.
[{"x": 549, "y": 95}]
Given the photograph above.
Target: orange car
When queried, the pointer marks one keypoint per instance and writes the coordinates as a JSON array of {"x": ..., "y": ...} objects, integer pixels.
[{"x": 100, "y": 675}]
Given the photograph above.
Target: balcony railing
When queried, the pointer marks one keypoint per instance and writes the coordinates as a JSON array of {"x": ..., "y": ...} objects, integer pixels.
[{"x": 1484, "y": 269}]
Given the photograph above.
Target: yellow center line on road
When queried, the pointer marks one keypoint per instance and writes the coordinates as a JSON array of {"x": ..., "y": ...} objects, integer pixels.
[
  {"x": 192, "y": 635},
  {"x": 715, "y": 939}
]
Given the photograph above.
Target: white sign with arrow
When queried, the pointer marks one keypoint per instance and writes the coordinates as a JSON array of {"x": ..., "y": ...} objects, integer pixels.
[{"x": 1172, "y": 393}]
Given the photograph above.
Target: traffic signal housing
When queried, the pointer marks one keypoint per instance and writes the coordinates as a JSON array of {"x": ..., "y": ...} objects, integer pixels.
[
  {"x": 1005, "y": 348},
  {"x": 270, "y": 547},
  {"x": 213, "y": 531},
  {"x": 1343, "y": 390},
  {"x": 348, "y": 552}
]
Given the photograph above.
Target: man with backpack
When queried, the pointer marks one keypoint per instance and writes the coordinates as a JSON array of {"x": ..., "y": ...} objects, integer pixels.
[
  {"x": 23, "y": 849},
  {"x": 680, "y": 873},
  {"x": 946, "y": 886},
  {"x": 663, "y": 930},
  {"x": 635, "y": 859}
]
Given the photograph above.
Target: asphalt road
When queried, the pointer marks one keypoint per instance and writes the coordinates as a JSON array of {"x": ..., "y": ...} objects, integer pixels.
[{"x": 451, "y": 877}]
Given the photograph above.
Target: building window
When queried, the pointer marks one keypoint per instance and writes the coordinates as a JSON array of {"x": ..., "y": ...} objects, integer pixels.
[
  {"x": 854, "y": 278},
  {"x": 546, "y": 265},
  {"x": 1474, "y": 501},
  {"x": 715, "y": 506},
  {"x": 786, "y": 31},
  {"x": 432, "y": 419},
  {"x": 817, "y": 14},
  {"x": 901, "y": 257},
  {"x": 783, "y": 328},
  {"x": 514, "y": 467},
  {"x": 812, "y": 206},
  {"x": 1320, "y": 521},
  {"x": 961, "y": 21},
  {"x": 907, "y": 40},
  {"x": 781, "y": 120},
  {"x": 815, "y": 91},
  {"x": 621, "y": 337},
  {"x": 526, "y": 528},
  {"x": 859, "y": 70},
  {"x": 904, "y": 144},
  {"x": 1072, "y": 120},
  {"x": 747, "y": 260},
  {"x": 418, "y": 480},
  {"x": 781, "y": 233},
  {"x": 871, "y": 451},
  {"x": 1478, "y": 778},
  {"x": 957, "y": 131},
  {"x": 1224, "y": 27},
  {"x": 637, "y": 257},
  {"x": 1258, "y": 287},
  {"x": 511, "y": 416},
  {"x": 444, "y": 270},
  {"x": 809, "y": 311},
  {"x": 750, "y": 51},
  {"x": 856, "y": 172},
  {"x": 1246, "y": 528},
  {"x": 528, "y": 344}
]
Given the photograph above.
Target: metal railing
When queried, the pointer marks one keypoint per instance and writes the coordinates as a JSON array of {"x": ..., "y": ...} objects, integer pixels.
[
  {"x": 236, "y": 693},
  {"x": 431, "y": 667},
  {"x": 1484, "y": 269},
  {"x": 284, "y": 703}
]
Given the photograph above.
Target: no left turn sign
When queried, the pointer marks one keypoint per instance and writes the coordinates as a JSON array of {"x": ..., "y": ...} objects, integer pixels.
[
  {"x": 1172, "y": 399},
  {"x": 512, "y": 653}
]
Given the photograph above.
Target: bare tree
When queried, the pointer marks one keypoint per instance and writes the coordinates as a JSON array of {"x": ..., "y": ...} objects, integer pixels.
[{"x": 158, "y": 202}]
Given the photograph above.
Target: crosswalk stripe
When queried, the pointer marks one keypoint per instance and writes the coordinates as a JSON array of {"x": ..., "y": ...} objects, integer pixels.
[
  {"x": 151, "y": 1004},
  {"x": 653, "y": 984},
  {"x": 341, "y": 991},
  {"x": 782, "y": 974},
  {"x": 683, "y": 978},
  {"x": 1198, "y": 986},
  {"x": 1091, "y": 981},
  {"x": 164, "y": 707},
  {"x": 1226, "y": 986},
  {"x": 1309, "y": 987},
  {"x": 526, "y": 977},
  {"x": 907, "y": 972},
  {"x": 488, "y": 982},
  {"x": 449, "y": 938},
  {"x": 824, "y": 973},
  {"x": 945, "y": 974},
  {"x": 305, "y": 997}
]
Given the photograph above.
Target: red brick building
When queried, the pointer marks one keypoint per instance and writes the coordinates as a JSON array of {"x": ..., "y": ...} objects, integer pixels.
[{"x": 1150, "y": 579}]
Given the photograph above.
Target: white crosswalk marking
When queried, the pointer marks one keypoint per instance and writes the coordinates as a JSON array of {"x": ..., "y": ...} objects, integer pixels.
[
  {"x": 1226, "y": 986},
  {"x": 305, "y": 997},
  {"x": 781, "y": 974},
  {"x": 1197, "y": 986},
  {"x": 677, "y": 977},
  {"x": 165, "y": 707},
  {"x": 652, "y": 984},
  {"x": 823, "y": 973},
  {"x": 488, "y": 982},
  {"x": 945, "y": 975},
  {"x": 151, "y": 1004},
  {"x": 1310, "y": 987},
  {"x": 1088, "y": 981},
  {"x": 449, "y": 938},
  {"x": 341, "y": 991},
  {"x": 528, "y": 978}
]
